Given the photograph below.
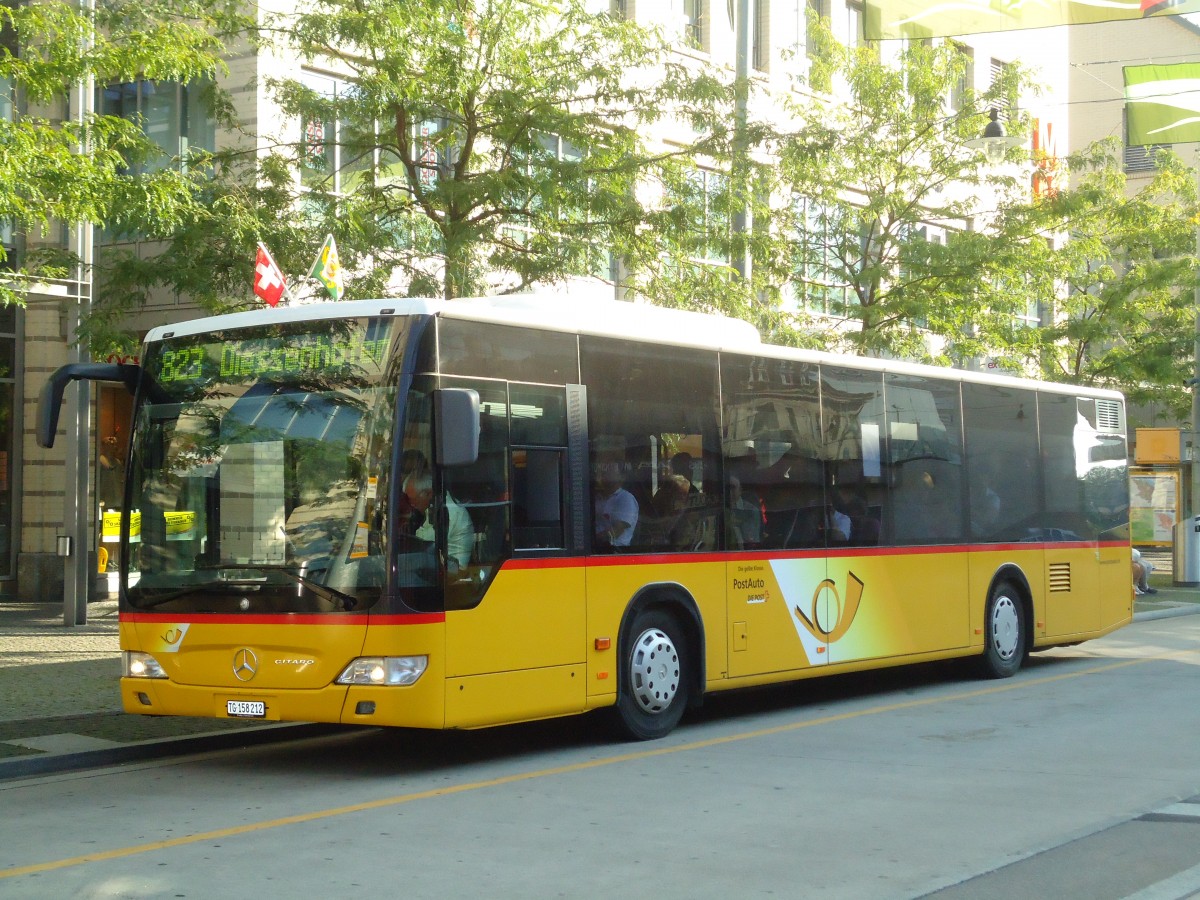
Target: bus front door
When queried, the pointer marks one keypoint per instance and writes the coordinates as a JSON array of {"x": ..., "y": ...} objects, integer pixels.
[{"x": 517, "y": 652}]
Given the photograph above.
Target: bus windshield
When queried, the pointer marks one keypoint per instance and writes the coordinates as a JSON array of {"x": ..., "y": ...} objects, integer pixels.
[{"x": 259, "y": 459}]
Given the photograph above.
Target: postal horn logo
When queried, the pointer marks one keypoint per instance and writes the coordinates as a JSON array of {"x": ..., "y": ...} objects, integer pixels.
[
  {"x": 829, "y": 617},
  {"x": 245, "y": 664}
]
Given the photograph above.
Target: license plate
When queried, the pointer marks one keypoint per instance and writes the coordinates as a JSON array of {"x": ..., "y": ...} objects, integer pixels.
[{"x": 246, "y": 709}]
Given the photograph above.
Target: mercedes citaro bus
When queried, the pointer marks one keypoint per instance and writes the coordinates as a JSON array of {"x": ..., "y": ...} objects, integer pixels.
[{"x": 460, "y": 514}]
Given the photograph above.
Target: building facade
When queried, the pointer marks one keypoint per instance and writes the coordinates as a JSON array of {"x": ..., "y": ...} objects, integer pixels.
[
  {"x": 34, "y": 341},
  {"x": 1098, "y": 54}
]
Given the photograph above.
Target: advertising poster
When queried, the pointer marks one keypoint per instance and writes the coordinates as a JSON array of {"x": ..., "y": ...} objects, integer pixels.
[{"x": 1153, "y": 507}]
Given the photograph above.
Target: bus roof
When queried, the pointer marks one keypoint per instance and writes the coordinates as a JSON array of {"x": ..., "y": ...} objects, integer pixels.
[
  {"x": 559, "y": 312},
  {"x": 585, "y": 314}
]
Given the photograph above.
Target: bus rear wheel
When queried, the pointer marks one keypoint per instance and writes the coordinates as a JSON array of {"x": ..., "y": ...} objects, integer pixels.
[
  {"x": 654, "y": 686},
  {"x": 1004, "y": 625}
]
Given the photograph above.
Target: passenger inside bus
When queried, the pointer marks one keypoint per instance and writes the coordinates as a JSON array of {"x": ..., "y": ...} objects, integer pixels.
[
  {"x": 837, "y": 525},
  {"x": 671, "y": 498},
  {"x": 985, "y": 506},
  {"x": 616, "y": 509},
  {"x": 665, "y": 525},
  {"x": 745, "y": 518},
  {"x": 682, "y": 467}
]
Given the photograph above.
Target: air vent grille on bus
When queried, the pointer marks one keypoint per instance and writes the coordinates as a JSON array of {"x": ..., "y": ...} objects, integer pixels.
[
  {"x": 1108, "y": 415},
  {"x": 1060, "y": 577}
]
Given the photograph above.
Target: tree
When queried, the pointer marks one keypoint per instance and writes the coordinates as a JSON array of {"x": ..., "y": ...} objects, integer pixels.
[
  {"x": 704, "y": 212},
  {"x": 882, "y": 185},
  {"x": 480, "y": 145},
  {"x": 85, "y": 169},
  {"x": 1119, "y": 292},
  {"x": 206, "y": 251}
]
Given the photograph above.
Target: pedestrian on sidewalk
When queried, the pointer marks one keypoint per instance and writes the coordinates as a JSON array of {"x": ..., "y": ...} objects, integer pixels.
[{"x": 1141, "y": 574}]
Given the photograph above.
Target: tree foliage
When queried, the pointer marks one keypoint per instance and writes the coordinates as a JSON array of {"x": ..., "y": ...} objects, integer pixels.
[
  {"x": 59, "y": 168},
  {"x": 871, "y": 175},
  {"x": 1118, "y": 294},
  {"x": 206, "y": 253},
  {"x": 482, "y": 146}
]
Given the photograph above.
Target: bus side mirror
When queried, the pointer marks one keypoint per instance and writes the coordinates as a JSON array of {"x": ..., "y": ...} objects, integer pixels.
[
  {"x": 50, "y": 400},
  {"x": 456, "y": 424}
]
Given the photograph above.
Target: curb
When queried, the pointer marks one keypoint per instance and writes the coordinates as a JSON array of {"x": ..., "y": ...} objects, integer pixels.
[
  {"x": 1171, "y": 613},
  {"x": 163, "y": 748}
]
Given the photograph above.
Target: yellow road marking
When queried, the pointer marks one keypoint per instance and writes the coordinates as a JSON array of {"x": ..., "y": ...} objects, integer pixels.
[{"x": 383, "y": 803}]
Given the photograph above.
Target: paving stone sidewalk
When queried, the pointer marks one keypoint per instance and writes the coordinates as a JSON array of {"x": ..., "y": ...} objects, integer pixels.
[{"x": 58, "y": 686}]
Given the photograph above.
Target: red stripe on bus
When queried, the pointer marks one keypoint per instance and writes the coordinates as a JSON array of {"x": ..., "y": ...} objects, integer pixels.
[
  {"x": 669, "y": 558},
  {"x": 331, "y": 620}
]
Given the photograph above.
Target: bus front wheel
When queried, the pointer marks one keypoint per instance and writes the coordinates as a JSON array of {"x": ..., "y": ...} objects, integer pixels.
[
  {"x": 654, "y": 686},
  {"x": 1004, "y": 633}
]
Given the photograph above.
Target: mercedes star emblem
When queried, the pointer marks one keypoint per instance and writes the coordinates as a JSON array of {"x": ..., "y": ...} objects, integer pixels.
[{"x": 245, "y": 664}]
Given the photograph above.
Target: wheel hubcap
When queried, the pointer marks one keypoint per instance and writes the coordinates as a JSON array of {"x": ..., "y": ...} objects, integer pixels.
[
  {"x": 654, "y": 671},
  {"x": 1006, "y": 628}
]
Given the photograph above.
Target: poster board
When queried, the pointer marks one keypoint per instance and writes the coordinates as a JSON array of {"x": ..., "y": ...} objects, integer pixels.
[{"x": 1153, "y": 506}]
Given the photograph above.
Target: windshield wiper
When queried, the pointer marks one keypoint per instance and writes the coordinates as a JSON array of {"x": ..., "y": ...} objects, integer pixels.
[
  {"x": 336, "y": 597},
  {"x": 206, "y": 588}
]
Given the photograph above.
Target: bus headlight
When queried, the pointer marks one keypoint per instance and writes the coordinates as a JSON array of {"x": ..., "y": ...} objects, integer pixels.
[
  {"x": 141, "y": 665},
  {"x": 384, "y": 670}
]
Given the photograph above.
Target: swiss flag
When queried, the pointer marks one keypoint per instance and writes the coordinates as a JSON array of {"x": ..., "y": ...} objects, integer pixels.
[{"x": 268, "y": 280}]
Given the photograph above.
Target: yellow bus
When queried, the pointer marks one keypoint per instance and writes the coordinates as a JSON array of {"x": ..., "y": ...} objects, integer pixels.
[{"x": 461, "y": 514}]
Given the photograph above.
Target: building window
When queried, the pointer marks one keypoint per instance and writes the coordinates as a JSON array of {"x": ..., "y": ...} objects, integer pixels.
[
  {"x": 551, "y": 150},
  {"x": 798, "y": 27},
  {"x": 819, "y": 282},
  {"x": 328, "y": 158},
  {"x": 7, "y": 111},
  {"x": 1001, "y": 73},
  {"x": 433, "y": 149},
  {"x": 761, "y": 36},
  {"x": 855, "y": 20},
  {"x": 11, "y": 322},
  {"x": 961, "y": 90},
  {"x": 1140, "y": 157},
  {"x": 707, "y": 192},
  {"x": 690, "y": 16},
  {"x": 909, "y": 236},
  {"x": 816, "y": 11},
  {"x": 174, "y": 116},
  {"x": 1032, "y": 315}
]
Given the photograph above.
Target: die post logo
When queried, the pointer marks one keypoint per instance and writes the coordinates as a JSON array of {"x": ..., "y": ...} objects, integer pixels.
[{"x": 829, "y": 616}]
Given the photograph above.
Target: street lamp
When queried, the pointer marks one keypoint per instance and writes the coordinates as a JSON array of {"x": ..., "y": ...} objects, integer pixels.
[{"x": 995, "y": 139}]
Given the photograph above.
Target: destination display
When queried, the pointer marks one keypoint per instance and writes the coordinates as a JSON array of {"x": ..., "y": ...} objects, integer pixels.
[{"x": 235, "y": 359}]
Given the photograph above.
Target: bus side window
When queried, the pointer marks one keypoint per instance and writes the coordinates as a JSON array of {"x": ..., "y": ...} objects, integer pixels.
[{"x": 538, "y": 499}]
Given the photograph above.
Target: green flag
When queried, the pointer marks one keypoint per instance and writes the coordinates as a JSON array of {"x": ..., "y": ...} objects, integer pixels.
[
  {"x": 327, "y": 269},
  {"x": 1162, "y": 103},
  {"x": 885, "y": 19}
]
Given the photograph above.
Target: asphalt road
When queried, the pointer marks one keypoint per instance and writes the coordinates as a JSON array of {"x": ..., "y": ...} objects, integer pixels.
[{"x": 1070, "y": 780}]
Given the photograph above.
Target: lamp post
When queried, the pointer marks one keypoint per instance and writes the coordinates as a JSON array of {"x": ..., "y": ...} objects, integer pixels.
[
  {"x": 1194, "y": 490},
  {"x": 995, "y": 139},
  {"x": 742, "y": 216},
  {"x": 76, "y": 510}
]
